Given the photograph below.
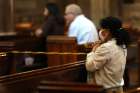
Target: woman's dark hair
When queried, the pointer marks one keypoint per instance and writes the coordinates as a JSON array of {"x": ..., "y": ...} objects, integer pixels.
[
  {"x": 53, "y": 9},
  {"x": 115, "y": 27},
  {"x": 55, "y": 12}
]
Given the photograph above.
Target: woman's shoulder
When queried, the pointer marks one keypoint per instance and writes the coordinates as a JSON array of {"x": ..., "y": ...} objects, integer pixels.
[
  {"x": 58, "y": 19},
  {"x": 109, "y": 44}
]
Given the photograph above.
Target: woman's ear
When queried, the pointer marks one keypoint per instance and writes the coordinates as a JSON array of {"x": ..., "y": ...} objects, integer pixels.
[{"x": 103, "y": 34}]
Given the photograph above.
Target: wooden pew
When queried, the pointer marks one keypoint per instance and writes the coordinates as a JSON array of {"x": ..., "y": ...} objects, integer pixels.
[
  {"x": 72, "y": 74},
  {"x": 27, "y": 82},
  {"x": 54, "y": 44},
  {"x": 61, "y": 44},
  {"x": 8, "y": 36},
  {"x": 5, "y": 64},
  {"x": 6, "y": 46},
  {"x": 17, "y": 61},
  {"x": 64, "y": 44},
  {"x": 6, "y": 59},
  {"x": 13, "y": 41},
  {"x": 71, "y": 87}
]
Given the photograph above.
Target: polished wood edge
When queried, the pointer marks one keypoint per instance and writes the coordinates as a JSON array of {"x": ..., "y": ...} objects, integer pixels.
[{"x": 38, "y": 72}]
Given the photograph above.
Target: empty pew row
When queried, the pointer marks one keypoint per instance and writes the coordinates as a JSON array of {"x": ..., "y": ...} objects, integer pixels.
[
  {"x": 7, "y": 58},
  {"x": 30, "y": 81},
  {"x": 56, "y": 44}
]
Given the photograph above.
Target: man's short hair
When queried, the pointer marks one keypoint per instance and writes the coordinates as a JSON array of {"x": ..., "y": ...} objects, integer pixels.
[{"x": 74, "y": 9}]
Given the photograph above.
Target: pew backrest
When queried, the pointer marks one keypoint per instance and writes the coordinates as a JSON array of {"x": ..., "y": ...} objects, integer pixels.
[
  {"x": 71, "y": 87},
  {"x": 27, "y": 82},
  {"x": 61, "y": 44}
]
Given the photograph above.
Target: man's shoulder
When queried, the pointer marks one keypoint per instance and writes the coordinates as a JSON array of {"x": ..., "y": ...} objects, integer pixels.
[{"x": 81, "y": 19}]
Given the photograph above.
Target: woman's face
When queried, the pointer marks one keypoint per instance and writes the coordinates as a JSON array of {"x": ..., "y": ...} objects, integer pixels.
[
  {"x": 103, "y": 34},
  {"x": 46, "y": 12}
]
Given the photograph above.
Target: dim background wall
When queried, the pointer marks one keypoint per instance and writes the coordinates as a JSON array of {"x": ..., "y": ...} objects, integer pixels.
[{"x": 32, "y": 10}]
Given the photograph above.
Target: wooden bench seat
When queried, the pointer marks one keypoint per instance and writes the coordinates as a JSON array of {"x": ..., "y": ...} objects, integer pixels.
[
  {"x": 27, "y": 82},
  {"x": 71, "y": 87},
  {"x": 70, "y": 76}
]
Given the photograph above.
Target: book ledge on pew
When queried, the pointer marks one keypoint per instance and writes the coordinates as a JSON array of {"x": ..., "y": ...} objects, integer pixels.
[{"x": 47, "y": 53}]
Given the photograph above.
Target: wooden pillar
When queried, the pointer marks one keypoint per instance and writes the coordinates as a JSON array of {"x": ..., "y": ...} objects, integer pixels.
[
  {"x": 85, "y": 5},
  {"x": 99, "y": 9},
  {"x": 1, "y": 15},
  {"x": 103, "y": 8},
  {"x": 6, "y": 15},
  {"x": 11, "y": 24}
]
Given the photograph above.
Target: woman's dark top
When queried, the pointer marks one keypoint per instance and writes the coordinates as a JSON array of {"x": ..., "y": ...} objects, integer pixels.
[{"x": 53, "y": 26}]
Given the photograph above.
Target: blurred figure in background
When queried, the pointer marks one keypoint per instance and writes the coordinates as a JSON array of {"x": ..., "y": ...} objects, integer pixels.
[
  {"x": 53, "y": 25},
  {"x": 133, "y": 31},
  {"x": 54, "y": 22},
  {"x": 79, "y": 26}
]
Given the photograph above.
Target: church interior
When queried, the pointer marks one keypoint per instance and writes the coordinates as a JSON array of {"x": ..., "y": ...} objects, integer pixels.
[{"x": 28, "y": 65}]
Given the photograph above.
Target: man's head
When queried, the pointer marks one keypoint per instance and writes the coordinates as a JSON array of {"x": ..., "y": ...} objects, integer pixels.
[{"x": 71, "y": 11}]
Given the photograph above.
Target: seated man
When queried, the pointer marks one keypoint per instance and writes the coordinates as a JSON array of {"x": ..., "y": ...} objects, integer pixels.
[{"x": 80, "y": 26}]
